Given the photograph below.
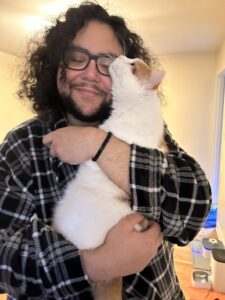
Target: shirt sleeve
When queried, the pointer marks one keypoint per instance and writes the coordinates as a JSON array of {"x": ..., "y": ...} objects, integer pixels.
[
  {"x": 171, "y": 189},
  {"x": 35, "y": 261}
]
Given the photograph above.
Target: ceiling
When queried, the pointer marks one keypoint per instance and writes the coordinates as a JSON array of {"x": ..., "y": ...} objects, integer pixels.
[{"x": 167, "y": 26}]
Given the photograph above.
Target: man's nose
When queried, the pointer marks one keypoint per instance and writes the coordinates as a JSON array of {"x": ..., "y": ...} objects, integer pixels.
[{"x": 91, "y": 71}]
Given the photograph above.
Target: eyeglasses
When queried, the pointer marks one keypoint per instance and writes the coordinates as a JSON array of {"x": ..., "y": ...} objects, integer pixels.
[{"x": 78, "y": 59}]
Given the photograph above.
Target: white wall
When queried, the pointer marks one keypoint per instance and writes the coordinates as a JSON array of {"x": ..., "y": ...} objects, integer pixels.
[{"x": 12, "y": 111}]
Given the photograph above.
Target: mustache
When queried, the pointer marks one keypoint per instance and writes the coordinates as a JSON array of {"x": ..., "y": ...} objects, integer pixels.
[{"x": 88, "y": 85}]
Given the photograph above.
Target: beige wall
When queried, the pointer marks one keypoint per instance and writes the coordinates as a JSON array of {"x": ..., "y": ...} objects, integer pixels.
[
  {"x": 12, "y": 111},
  {"x": 191, "y": 113},
  {"x": 221, "y": 192},
  {"x": 189, "y": 88},
  {"x": 221, "y": 58}
]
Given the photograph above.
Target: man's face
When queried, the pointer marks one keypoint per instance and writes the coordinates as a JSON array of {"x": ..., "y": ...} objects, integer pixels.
[{"x": 86, "y": 94}]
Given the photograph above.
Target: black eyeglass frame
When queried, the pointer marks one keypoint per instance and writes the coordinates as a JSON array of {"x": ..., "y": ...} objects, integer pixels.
[{"x": 90, "y": 57}]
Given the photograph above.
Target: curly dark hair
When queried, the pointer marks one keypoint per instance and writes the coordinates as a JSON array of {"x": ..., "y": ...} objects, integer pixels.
[{"x": 38, "y": 80}]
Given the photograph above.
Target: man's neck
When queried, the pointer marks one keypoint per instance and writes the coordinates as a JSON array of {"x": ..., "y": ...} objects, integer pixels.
[{"x": 75, "y": 122}]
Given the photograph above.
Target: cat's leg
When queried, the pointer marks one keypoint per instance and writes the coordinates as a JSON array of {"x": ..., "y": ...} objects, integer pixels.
[
  {"x": 143, "y": 224},
  {"x": 108, "y": 290},
  {"x": 163, "y": 146}
]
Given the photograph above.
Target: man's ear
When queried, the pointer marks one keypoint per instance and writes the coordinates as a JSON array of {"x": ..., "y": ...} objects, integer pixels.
[{"x": 155, "y": 80}]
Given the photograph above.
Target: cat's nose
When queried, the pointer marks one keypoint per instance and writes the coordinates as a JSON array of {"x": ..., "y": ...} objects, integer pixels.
[
  {"x": 111, "y": 68},
  {"x": 133, "y": 68}
]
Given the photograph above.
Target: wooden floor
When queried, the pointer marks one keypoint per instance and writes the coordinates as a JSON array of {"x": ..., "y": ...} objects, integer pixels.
[{"x": 184, "y": 269}]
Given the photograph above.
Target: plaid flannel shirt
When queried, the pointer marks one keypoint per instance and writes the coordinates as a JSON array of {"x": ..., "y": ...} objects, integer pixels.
[{"x": 38, "y": 263}]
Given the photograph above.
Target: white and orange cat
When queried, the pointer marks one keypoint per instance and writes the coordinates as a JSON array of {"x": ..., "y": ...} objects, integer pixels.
[{"x": 83, "y": 215}]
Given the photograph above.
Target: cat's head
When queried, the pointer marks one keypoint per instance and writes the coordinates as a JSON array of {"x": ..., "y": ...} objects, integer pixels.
[{"x": 124, "y": 65}]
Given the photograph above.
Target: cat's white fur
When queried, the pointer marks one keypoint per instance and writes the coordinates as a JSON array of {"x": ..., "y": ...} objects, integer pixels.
[{"x": 92, "y": 204}]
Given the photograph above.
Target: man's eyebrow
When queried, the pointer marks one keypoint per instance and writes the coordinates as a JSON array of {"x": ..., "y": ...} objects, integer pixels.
[
  {"x": 108, "y": 54},
  {"x": 74, "y": 47}
]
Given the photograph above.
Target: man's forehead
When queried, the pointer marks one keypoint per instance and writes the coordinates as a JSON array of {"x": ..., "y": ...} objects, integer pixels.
[{"x": 98, "y": 37}]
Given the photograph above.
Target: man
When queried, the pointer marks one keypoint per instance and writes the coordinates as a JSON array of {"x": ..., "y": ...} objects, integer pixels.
[{"x": 69, "y": 84}]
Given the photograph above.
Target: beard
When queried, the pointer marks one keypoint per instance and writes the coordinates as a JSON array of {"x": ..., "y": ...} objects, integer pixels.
[
  {"x": 66, "y": 102},
  {"x": 101, "y": 114}
]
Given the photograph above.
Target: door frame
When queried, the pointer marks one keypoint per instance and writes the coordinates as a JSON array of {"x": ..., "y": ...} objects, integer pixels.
[{"x": 218, "y": 135}]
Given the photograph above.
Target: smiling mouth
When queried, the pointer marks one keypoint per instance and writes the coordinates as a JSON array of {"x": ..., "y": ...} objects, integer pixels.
[{"x": 89, "y": 92}]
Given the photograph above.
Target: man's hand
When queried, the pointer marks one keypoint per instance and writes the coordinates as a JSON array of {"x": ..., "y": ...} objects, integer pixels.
[
  {"x": 124, "y": 252},
  {"x": 74, "y": 145}
]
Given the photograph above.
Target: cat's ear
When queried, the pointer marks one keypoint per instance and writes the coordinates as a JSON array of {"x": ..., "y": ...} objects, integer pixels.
[{"x": 155, "y": 80}]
